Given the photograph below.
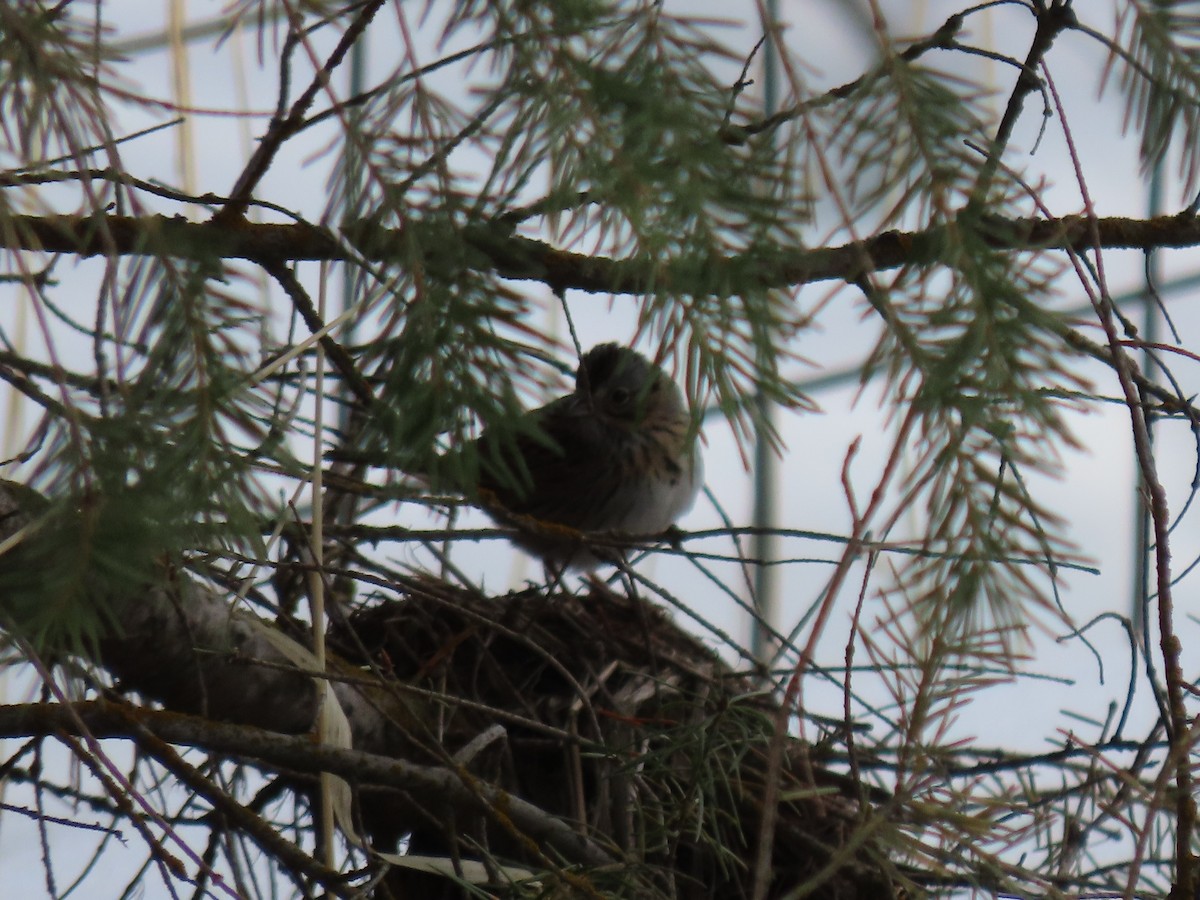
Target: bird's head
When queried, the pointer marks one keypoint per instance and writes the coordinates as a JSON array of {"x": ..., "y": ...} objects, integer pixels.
[{"x": 625, "y": 388}]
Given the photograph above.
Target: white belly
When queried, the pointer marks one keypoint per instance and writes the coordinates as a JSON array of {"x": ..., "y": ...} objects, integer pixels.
[{"x": 665, "y": 502}]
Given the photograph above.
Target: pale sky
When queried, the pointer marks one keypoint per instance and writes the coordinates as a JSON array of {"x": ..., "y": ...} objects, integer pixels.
[{"x": 1094, "y": 495}]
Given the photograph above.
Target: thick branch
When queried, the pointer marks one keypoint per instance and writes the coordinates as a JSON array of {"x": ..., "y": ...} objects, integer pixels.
[
  {"x": 180, "y": 643},
  {"x": 431, "y": 784},
  {"x": 520, "y": 258}
]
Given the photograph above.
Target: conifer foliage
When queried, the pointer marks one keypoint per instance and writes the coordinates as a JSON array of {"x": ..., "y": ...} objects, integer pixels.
[{"x": 273, "y": 651}]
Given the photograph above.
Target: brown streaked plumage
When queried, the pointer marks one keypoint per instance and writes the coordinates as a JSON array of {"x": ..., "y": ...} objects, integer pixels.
[{"x": 617, "y": 455}]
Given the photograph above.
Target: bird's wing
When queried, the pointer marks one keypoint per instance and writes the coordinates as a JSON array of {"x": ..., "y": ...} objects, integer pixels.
[{"x": 549, "y": 470}]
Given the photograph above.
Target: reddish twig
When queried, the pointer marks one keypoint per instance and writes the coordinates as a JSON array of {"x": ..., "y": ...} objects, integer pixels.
[
  {"x": 283, "y": 127},
  {"x": 1177, "y": 724}
]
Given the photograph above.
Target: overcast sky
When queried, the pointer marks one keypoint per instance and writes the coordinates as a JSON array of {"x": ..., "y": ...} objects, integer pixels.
[{"x": 1095, "y": 492}]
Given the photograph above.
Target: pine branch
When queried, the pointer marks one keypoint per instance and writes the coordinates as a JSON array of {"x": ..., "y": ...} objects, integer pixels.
[
  {"x": 300, "y": 754},
  {"x": 520, "y": 258}
]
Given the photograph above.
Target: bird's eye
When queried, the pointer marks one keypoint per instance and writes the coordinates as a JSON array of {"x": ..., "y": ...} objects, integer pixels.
[{"x": 620, "y": 396}]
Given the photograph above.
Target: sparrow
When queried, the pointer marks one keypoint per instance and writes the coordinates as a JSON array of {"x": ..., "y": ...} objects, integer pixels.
[{"x": 616, "y": 456}]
